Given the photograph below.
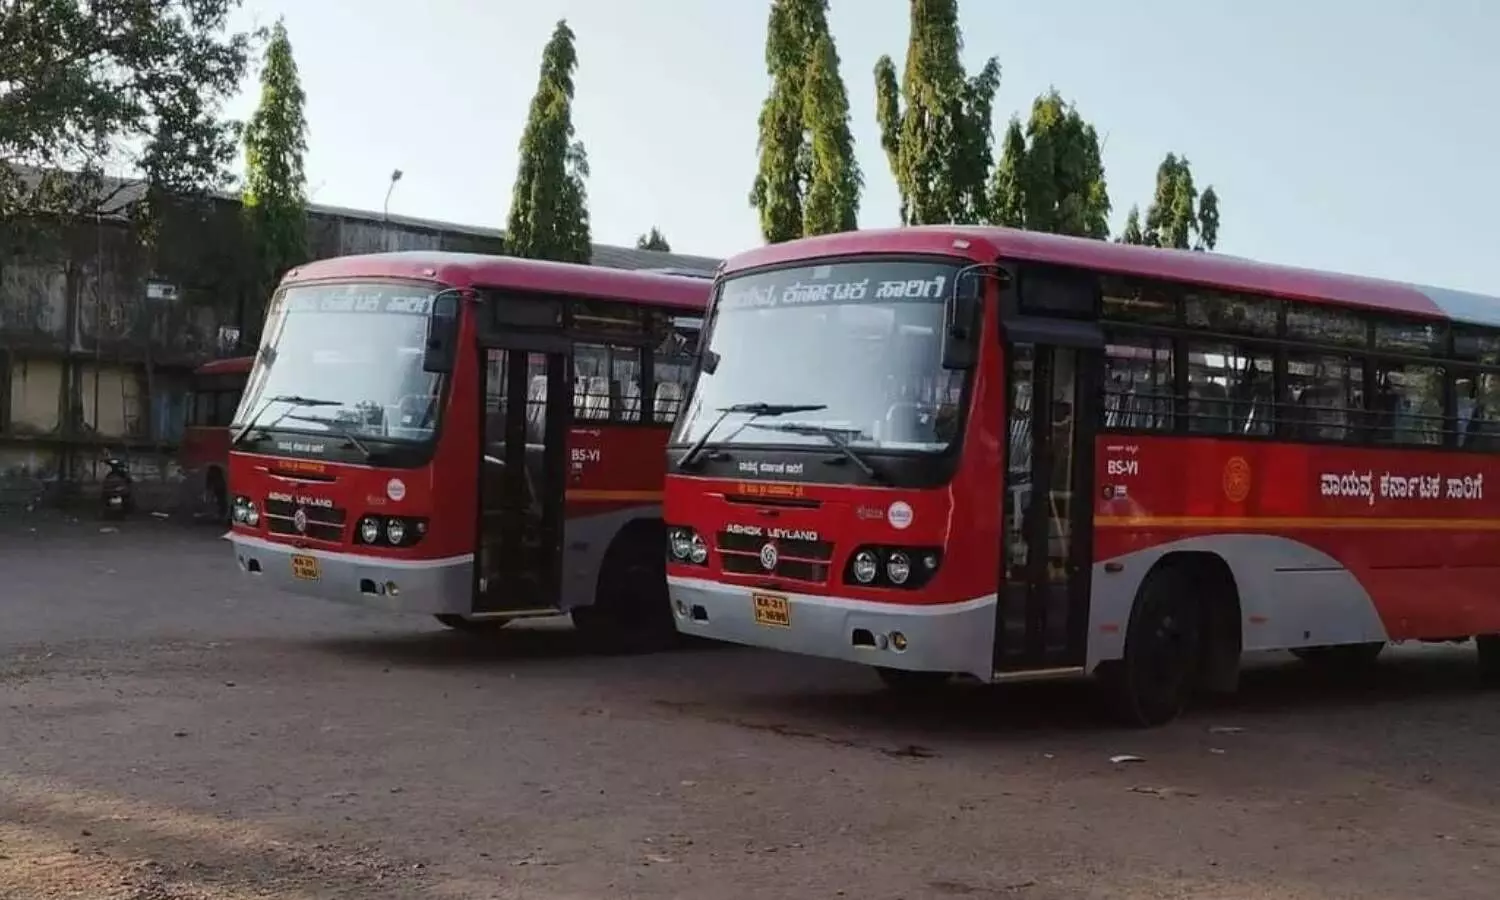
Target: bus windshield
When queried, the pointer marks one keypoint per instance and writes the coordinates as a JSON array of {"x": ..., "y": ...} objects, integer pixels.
[
  {"x": 860, "y": 341},
  {"x": 351, "y": 355}
]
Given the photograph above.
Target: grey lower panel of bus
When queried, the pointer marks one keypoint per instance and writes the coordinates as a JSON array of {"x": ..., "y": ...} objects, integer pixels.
[
  {"x": 420, "y": 586},
  {"x": 956, "y": 637}
]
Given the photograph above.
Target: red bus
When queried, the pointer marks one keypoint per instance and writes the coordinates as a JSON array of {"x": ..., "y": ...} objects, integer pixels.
[
  {"x": 204, "y": 452},
  {"x": 477, "y": 438},
  {"x": 1231, "y": 457}
]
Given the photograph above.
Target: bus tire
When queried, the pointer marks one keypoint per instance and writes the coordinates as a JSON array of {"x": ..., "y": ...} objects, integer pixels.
[
  {"x": 631, "y": 612},
  {"x": 1163, "y": 659},
  {"x": 908, "y": 682},
  {"x": 1488, "y": 646},
  {"x": 471, "y": 626},
  {"x": 1341, "y": 657}
]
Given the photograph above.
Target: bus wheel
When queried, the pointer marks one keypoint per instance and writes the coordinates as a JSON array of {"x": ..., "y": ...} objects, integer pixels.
[
  {"x": 631, "y": 612},
  {"x": 1489, "y": 659},
  {"x": 906, "y": 681},
  {"x": 1163, "y": 652},
  {"x": 1341, "y": 657},
  {"x": 471, "y": 626}
]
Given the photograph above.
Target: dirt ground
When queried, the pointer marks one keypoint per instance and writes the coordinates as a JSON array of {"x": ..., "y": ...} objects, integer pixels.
[{"x": 167, "y": 733}]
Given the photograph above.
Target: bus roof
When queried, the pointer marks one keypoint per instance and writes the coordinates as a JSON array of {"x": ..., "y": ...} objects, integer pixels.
[
  {"x": 466, "y": 270},
  {"x": 234, "y": 365},
  {"x": 1208, "y": 269}
]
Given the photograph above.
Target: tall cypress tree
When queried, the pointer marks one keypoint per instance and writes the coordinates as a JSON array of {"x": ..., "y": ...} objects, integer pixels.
[
  {"x": 935, "y": 126},
  {"x": 549, "y": 216},
  {"x": 1178, "y": 216},
  {"x": 275, "y": 194},
  {"x": 653, "y": 240},
  {"x": 1051, "y": 176},
  {"x": 807, "y": 180}
]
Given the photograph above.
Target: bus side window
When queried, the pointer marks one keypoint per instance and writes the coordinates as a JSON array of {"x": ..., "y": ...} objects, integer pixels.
[
  {"x": 225, "y": 403},
  {"x": 672, "y": 366},
  {"x": 1137, "y": 383},
  {"x": 1229, "y": 389},
  {"x": 1324, "y": 399}
]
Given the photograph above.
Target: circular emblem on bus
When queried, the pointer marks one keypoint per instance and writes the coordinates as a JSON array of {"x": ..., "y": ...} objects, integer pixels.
[
  {"x": 768, "y": 557},
  {"x": 299, "y": 520},
  {"x": 1236, "y": 479},
  {"x": 395, "y": 489},
  {"x": 899, "y": 514}
]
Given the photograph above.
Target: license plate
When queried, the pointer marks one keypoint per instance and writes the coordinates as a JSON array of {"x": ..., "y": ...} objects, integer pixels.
[
  {"x": 771, "y": 610},
  {"x": 305, "y": 567}
]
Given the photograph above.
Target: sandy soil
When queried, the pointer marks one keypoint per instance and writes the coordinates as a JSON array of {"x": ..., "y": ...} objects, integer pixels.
[{"x": 167, "y": 733}]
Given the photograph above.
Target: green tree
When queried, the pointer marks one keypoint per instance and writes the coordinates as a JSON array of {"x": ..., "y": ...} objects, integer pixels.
[
  {"x": 807, "y": 180},
  {"x": 1051, "y": 176},
  {"x": 549, "y": 216},
  {"x": 1132, "y": 231},
  {"x": 128, "y": 85},
  {"x": 1178, "y": 216},
  {"x": 653, "y": 240},
  {"x": 275, "y": 194},
  {"x": 935, "y": 127}
]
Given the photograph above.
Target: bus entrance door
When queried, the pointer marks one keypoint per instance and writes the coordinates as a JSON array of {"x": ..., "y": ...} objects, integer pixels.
[
  {"x": 528, "y": 402},
  {"x": 1042, "y": 617}
]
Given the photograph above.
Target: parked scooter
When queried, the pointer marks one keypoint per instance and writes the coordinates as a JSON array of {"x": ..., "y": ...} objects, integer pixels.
[{"x": 117, "y": 489}]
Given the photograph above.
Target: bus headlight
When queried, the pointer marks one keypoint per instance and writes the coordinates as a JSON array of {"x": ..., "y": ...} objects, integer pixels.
[
  {"x": 697, "y": 549},
  {"x": 244, "y": 512},
  {"x": 369, "y": 529},
  {"x": 865, "y": 566},
  {"x": 681, "y": 543},
  {"x": 898, "y": 568},
  {"x": 395, "y": 531}
]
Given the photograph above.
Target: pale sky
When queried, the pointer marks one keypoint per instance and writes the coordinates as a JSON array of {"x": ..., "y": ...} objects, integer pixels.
[{"x": 1355, "y": 137}]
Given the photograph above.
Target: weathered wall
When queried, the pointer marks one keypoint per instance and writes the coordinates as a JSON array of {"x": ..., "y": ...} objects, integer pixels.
[{"x": 98, "y": 335}]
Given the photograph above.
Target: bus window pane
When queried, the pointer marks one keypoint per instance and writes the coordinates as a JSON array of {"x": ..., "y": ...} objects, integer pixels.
[
  {"x": 1231, "y": 389},
  {"x": 1138, "y": 383},
  {"x": 590, "y": 382},
  {"x": 1407, "y": 407},
  {"x": 1232, "y": 313},
  {"x": 1326, "y": 325},
  {"x": 672, "y": 364},
  {"x": 625, "y": 382},
  {"x": 1424, "y": 338},
  {"x": 1324, "y": 396},
  {"x": 1478, "y": 409}
]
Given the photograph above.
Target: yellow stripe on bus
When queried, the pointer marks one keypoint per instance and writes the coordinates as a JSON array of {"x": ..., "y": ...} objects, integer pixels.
[
  {"x": 614, "y": 496},
  {"x": 1331, "y": 522}
]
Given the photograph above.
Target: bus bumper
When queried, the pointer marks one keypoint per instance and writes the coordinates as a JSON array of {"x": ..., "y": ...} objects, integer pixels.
[
  {"x": 394, "y": 585},
  {"x": 949, "y": 637}
]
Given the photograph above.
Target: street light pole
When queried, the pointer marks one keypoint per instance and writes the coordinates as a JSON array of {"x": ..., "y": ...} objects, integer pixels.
[{"x": 385, "y": 209}]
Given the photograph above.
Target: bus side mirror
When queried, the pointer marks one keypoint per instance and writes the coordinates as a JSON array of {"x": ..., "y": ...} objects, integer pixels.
[
  {"x": 442, "y": 334},
  {"x": 961, "y": 321}
]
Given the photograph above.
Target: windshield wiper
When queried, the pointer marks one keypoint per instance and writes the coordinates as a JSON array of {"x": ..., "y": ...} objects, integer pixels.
[
  {"x": 755, "y": 410},
  {"x": 337, "y": 428},
  {"x": 297, "y": 402},
  {"x": 838, "y": 437}
]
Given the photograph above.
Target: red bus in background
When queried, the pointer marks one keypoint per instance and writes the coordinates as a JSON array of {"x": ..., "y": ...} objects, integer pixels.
[
  {"x": 982, "y": 452},
  {"x": 477, "y": 438},
  {"x": 204, "y": 451}
]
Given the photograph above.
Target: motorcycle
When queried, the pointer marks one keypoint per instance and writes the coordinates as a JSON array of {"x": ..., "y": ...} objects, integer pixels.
[{"x": 116, "y": 491}]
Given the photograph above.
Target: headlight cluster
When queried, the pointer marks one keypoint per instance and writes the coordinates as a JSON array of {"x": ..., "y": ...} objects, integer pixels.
[
  {"x": 902, "y": 567},
  {"x": 391, "y": 531},
  {"x": 244, "y": 512},
  {"x": 684, "y": 545}
]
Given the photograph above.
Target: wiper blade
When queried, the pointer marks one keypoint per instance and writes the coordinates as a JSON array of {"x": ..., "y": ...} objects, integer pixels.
[
  {"x": 838, "y": 437},
  {"x": 755, "y": 411},
  {"x": 337, "y": 428},
  {"x": 297, "y": 401}
]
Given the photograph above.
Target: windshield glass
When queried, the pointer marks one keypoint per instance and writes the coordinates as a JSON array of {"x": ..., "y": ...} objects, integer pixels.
[
  {"x": 860, "y": 340},
  {"x": 352, "y": 353}
]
